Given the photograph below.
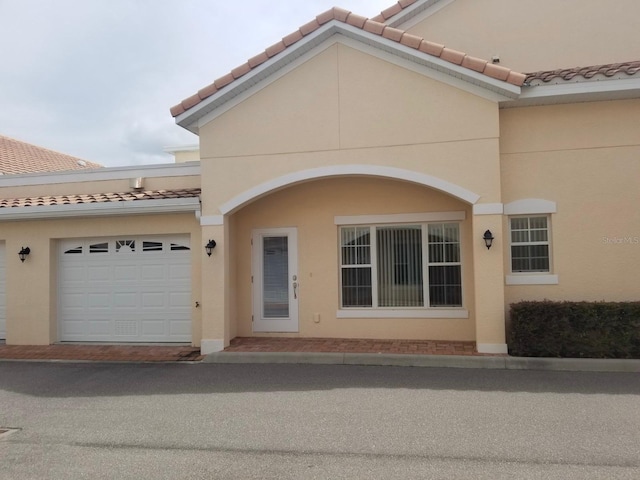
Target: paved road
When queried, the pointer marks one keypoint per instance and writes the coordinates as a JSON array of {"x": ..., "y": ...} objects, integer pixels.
[{"x": 315, "y": 421}]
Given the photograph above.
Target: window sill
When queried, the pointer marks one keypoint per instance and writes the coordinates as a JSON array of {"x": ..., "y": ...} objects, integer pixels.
[
  {"x": 532, "y": 279},
  {"x": 398, "y": 313}
]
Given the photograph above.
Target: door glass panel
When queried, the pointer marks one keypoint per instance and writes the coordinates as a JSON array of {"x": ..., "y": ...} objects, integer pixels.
[{"x": 275, "y": 281}]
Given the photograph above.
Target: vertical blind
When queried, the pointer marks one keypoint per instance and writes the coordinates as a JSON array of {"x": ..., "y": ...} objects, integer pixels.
[
  {"x": 394, "y": 256},
  {"x": 400, "y": 266},
  {"x": 275, "y": 277}
]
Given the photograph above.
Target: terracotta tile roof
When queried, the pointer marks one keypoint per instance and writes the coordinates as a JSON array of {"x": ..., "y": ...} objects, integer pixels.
[
  {"x": 584, "y": 73},
  {"x": 98, "y": 198},
  {"x": 393, "y": 10},
  {"x": 20, "y": 157},
  {"x": 368, "y": 25}
]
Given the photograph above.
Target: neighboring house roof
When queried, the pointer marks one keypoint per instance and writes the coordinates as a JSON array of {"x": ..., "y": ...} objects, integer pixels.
[
  {"x": 370, "y": 26},
  {"x": 98, "y": 198},
  {"x": 577, "y": 74},
  {"x": 19, "y": 157}
]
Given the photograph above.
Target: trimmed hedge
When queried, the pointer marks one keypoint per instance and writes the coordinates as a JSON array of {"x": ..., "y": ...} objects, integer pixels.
[{"x": 575, "y": 329}]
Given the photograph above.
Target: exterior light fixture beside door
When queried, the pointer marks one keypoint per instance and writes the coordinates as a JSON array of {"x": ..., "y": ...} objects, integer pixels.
[
  {"x": 24, "y": 251},
  {"x": 211, "y": 244},
  {"x": 488, "y": 239}
]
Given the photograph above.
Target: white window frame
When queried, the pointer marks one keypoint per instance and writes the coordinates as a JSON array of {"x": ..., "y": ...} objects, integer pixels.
[
  {"x": 531, "y": 277},
  {"x": 400, "y": 220}
]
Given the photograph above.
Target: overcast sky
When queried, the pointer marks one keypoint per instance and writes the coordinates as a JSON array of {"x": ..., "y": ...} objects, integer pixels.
[{"x": 96, "y": 78}]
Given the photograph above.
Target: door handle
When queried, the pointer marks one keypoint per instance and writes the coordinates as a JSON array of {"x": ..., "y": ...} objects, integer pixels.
[{"x": 295, "y": 287}]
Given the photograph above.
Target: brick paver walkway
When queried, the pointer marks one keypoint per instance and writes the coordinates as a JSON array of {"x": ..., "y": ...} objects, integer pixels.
[
  {"x": 153, "y": 353},
  {"x": 336, "y": 345},
  {"x": 101, "y": 353}
]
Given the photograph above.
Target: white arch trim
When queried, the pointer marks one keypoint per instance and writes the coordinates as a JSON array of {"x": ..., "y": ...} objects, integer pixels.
[
  {"x": 346, "y": 170},
  {"x": 530, "y": 206}
]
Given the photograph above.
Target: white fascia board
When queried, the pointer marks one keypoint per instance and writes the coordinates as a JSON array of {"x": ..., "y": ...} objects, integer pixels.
[
  {"x": 301, "y": 51},
  {"x": 114, "y": 173},
  {"x": 587, "y": 91},
  {"x": 132, "y": 207}
]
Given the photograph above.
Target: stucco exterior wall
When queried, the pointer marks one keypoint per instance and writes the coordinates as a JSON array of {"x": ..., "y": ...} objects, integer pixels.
[
  {"x": 31, "y": 286},
  {"x": 348, "y": 107},
  {"x": 586, "y": 158},
  {"x": 541, "y": 35},
  {"x": 311, "y": 208}
]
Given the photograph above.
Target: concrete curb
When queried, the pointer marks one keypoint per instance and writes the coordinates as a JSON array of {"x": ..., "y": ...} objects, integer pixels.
[{"x": 447, "y": 361}]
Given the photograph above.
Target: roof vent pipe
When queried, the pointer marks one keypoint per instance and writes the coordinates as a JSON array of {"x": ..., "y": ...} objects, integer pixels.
[{"x": 137, "y": 183}]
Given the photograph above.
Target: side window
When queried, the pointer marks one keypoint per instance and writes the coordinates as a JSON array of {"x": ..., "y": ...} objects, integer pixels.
[{"x": 530, "y": 244}]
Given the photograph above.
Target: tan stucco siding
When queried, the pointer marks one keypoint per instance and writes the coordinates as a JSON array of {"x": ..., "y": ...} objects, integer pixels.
[
  {"x": 586, "y": 158},
  {"x": 347, "y": 107},
  {"x": 311, "y": 208},
  {"x": 344, "y": 98},
  {"x": 541, "y": 35},
  {"x": 31, "y": 286}
]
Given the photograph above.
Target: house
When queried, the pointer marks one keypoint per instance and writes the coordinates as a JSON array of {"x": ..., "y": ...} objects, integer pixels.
[{"x": 407, "y": 176}]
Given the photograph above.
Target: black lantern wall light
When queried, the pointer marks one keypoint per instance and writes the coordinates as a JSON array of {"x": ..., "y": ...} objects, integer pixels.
[
  {"x": 211, "y": 244},
  {"x": 23, "y": 253},
  {"x": 488, "y": 239}
]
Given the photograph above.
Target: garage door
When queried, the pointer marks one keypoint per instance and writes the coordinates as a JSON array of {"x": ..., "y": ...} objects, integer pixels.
[
  {"x": 125, "y": 289},
  {"x": 3, "y": 297}
]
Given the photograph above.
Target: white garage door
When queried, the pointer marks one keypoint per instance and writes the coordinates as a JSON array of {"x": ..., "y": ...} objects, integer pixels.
[
  {"x": 3, "y": 297},
  {"x": 125, "y": 289}
]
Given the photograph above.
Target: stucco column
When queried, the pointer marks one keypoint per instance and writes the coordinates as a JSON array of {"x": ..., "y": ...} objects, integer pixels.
[
  {"x": 28, "y": 290},
  {"x": 215, "y": 291},
  {"x": 488, "y": 272}
]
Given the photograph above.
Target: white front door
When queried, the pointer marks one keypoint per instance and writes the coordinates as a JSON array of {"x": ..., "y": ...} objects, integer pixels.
[{"x": 275, "y": 280}]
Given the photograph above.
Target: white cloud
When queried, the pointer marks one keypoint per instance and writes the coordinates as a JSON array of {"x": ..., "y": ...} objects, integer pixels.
[{"x": 96, "y": 78}]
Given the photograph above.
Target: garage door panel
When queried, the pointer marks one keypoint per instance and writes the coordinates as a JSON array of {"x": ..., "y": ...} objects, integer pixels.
[
  {"x": 180, "y": 327},
  {"x": 124, "y": 300},
  {"x": 154, "y": 300},
  {"x": 125, "y": 273},
  {"x": 137, "y": 296},
  {"x": 98, "y": 273},
  {"x": 182, "y": 272},
  {"x": 180, "y": 299},
  {"x": 97, "y": 300},
  {"x": 153, "y": 273}
]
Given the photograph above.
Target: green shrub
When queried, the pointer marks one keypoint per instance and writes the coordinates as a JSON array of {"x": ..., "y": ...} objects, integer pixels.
[{"x": 575, "y": 329}]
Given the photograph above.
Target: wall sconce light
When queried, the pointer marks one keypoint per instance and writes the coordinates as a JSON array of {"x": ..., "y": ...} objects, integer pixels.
[
  {"x": 210, "y": 246},
  {"x": 24, "y": 251},
  {"x": 488, "y": 239}
]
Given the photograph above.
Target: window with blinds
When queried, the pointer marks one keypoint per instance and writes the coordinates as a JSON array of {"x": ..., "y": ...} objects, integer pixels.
[{"x": 411, "y": 266}]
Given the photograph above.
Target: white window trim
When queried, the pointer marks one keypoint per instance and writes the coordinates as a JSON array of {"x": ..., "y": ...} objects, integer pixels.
[
  {"x": 402, "y": 219},
  {"x": 425, "y": 312},
  {"x": 532, "y": 278},
  {"x": 530, "y": 206}
]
